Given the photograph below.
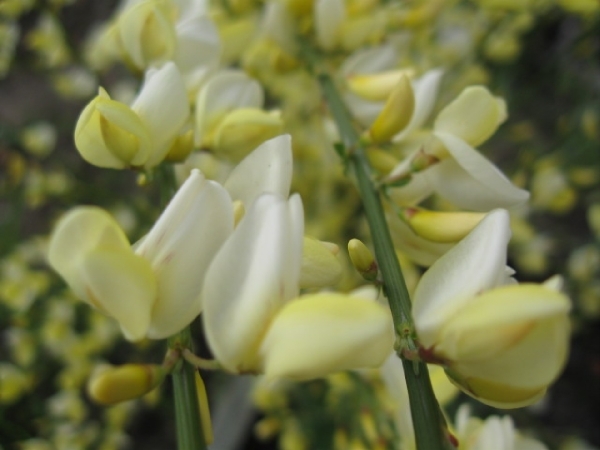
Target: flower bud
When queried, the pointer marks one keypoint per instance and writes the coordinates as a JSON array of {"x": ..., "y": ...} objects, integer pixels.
[
  {"x": 396, "y": 113},
  {"x": 443, "y": 227},
  {"x": 244, "y": 129},
  {"x": 376, "y": 87},
  {"x": 181, "y": 147},
  {"x": 147, "y": 33},
  {"x": 362, "y": 259},
  {"x": 111, "y": 385},
  {"x": 320, "y": 267},
  {"x": 109, "y": 134}
]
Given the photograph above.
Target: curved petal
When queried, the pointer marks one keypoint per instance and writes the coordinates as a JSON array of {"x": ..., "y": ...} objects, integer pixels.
[
  {"x": 225, "y": 91},
  {"x": 475, "y": 264},
  {"x": 497, "y": 320},
  {"x": 184, "y": 257},
  {"x": 425, "y": 91},
  {"x": 371, "y": 60},
  {"x": 250, "y": 278},
  {"x": 320, "y": 267},
  {"x": 473, "y": 116},
  {"x": 267, "y": 169},
  {"x": 531, "y": 365},
  {"x": 418, "y": 249},
  {"x": 198, "y": 49},
  {"x": 163, "y": 107},
  {"x": 173, "y": 215},
  {"x": 319, "y": 334},
  {"x": 80, "y": 231},
  {"x": 109, "y": 134},
  {"x": 470, "y": 181},
  {"x": 414, "y": 192},
  {"x": 122, "y": 285},
  {"x": 328, "y": 17}
]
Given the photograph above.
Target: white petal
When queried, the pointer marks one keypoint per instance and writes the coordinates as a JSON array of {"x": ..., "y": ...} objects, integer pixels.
[
  {"x": 250, "y": 278},
  {"x": 414, "y": 192},
  {"x": 163, "y": 107},
  {"x": 267, "y": 169},
  {"x": 319, "y": 334},
  {"x": 328, "y": 17},
  {"x": 198, "y": 49},
  {"x": 184, "y": 257},
  {"x": 475, "y": 264},
  {"x": 173, "y": 215},
  {"x": 470, "y": 181},
  {"x": 426, "y": 91},
  {"x": 371, "y": 60}
]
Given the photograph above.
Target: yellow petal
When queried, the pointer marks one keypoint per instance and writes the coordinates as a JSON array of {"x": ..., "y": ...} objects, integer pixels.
[
  {"x": 109, "y": 134},
  {"x": 319, "y": 334},
  {"x": 396, "y": 113},
  {"x": 473, "y": 116},
  {"x": 111, "y": 385},
  {"x": 376, "y": 87},
  {"x": 320, "y": 267},
  {"x": 443, "y": 227},
  {"x": 498, "y": 320},
  {"x": 78, "y": 232},
  {"x": 497, "y": 394},
  {"x": 244, "y": 129},
  {"x": 121, "y": 284}
]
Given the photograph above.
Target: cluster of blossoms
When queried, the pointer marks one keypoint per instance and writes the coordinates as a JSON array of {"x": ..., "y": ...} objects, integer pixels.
[{"x": 230, "y": 246}]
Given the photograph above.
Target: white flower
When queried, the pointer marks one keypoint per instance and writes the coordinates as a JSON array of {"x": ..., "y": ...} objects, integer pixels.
[
  {"x": 154, "y": 290},
  {"x": 500, "y": 342}
]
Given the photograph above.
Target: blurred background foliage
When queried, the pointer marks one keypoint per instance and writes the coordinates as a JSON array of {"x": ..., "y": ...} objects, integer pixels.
[{"x": 544, "y": 59}]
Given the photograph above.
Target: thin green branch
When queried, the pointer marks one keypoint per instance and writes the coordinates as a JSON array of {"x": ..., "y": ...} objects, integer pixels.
[
  {"x": 187, "y": 412},
  {"x": 430, "y": 430}
]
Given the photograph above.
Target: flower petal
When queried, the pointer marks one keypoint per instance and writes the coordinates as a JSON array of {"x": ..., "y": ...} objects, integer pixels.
[
  {"x": 267, "y": 169},
  {"x": 498, "y": 319},
  {"x": 473, "y": 116},
  {"x": 251, "y": 277},
  {"x": 122, "y": 285},
  {"x": 184, "y": 257},
  {"x": 328, "y": 17},
  {"x": 319, "y": 334},
  {"x": 470, "y": 181},
  {"x": 475, "y": 264},
  {"x": 162, "y": 105},
  {"x": 425, "y": 91},
  {"x": 80, "y": 231},
  {"x": 225, "y": 91}
]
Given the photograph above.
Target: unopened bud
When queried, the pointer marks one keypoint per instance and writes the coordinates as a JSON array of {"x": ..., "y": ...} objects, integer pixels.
[
  {"x": 442, "y": 227},
  {"x": 320, "y": 267},
  {"x": 181, "y": 147},
  {"x": 244, "y": 129},
  {"x": 111, "y": 385},
  {"x": 396, "y": 113},
  {"x": 377, "y": 87},
  {"x": 362, "y": 259},
  {"x": 382, "y": 161}
]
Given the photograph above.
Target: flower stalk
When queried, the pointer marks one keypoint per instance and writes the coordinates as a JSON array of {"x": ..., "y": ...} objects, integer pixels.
[
  {"x": 187, "y": 412},
  {"x": 430, "y": 429}
]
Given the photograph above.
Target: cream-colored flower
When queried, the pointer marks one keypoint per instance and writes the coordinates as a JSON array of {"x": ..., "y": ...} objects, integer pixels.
[
  {"x": 113, "y": 135},
  {"x": 254, "y": 319},
  {"x": 463, "y": 176},
  {"x": 501, "y": 342},
  {"x": 152, "y": 290},
  {"x": 493, "y": 433}
]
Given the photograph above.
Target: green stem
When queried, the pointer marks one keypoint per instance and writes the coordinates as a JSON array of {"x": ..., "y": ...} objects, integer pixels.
[
  {"x": 187, "y": 413},
  {"x": 428, "y": 421}
]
